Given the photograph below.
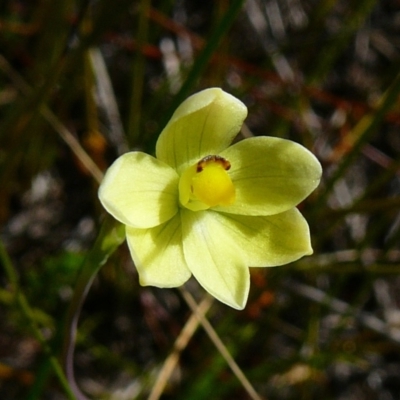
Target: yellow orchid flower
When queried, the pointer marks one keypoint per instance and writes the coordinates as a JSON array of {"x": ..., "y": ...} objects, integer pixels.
[{"x": 208, "y": 209}]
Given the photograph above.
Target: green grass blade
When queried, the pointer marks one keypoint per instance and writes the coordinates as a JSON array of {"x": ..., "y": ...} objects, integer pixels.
[
  {"x": 205, "y": 56},
  {"x": 138, "y": 73},
  {"x": 357, "y": 15},
  {"x": 362, "y": 132},
  {"x": 27, "y": 312}
]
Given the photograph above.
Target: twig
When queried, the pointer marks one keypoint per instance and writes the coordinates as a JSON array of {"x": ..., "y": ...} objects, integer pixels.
[
  {"x": 107, "y": 100},
  {"x": 341, "y": 307},
  {"x": 58, "y": 126},
  {"x": 180, "y": 343},
  {"x": 213, "y": 335}
]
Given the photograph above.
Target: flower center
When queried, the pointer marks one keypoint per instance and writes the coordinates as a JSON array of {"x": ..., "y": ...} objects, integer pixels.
[{"x": 207, "y": 184}]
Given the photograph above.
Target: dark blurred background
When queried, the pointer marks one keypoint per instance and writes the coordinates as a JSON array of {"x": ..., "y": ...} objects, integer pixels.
[{"x": 84, "y": 81}]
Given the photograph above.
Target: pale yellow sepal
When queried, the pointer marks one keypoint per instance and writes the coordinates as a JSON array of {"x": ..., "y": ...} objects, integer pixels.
[
  {"x": 270, "y": 175},
  {"x": 266, "y": 241},
  {"x": 210, "y": 210},
  {"x": 158, "y": 254},
  {"x": 140, "y": 191},
  {"x": 214, "y": 258},
  {"x": 204, "y": 124}
]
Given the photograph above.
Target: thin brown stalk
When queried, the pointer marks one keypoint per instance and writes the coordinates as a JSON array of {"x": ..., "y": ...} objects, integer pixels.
[
  {"x": 213, "y": 335},
  {"x": 180, "y": 343},
  {"x": 54, "y": 121}
]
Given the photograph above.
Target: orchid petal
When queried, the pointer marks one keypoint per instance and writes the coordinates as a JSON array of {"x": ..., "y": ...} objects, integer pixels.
[
  {"x": 204, "y": 124},
  {"x": 214, "y": 258},
  {"x": 267, "y": 241},
  {"x": 158, "y": 254},
  {"x": 271, "y": 175},
  {"x": 140, "y": 191}
]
